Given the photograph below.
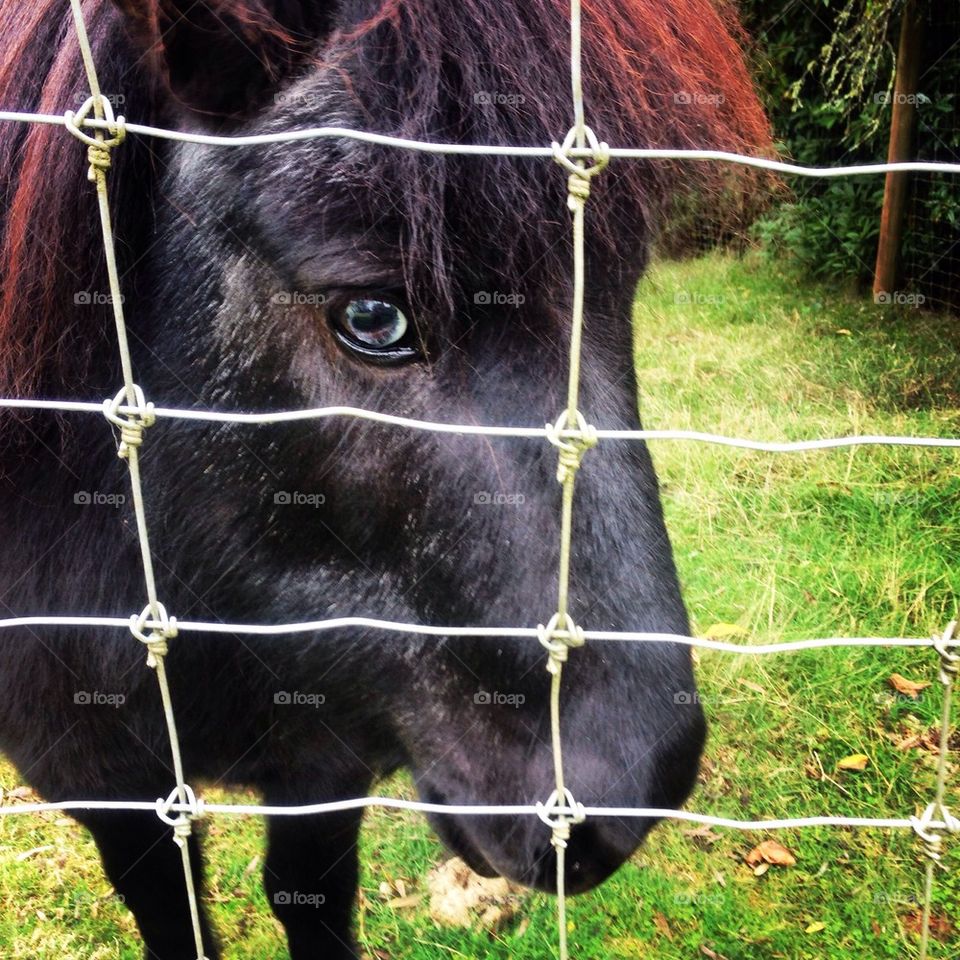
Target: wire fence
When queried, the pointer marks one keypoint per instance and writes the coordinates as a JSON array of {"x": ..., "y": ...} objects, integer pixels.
[
  {"x": 931, "y": 254},
  {"x": 129, "y": 412}
]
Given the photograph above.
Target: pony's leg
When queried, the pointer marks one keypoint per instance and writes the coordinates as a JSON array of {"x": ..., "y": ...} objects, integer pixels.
[
  {"x": 310, "y": 875},
  {"x": 145, "y": 867}
]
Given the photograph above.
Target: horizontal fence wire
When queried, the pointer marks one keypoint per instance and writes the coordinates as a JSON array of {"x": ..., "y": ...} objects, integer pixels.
[
  {"x": 199, "y": 808},
  {"x": 430, "y": 630},
  {"x": 491, "y": 150},
  {"x": 468, "y": 429}
]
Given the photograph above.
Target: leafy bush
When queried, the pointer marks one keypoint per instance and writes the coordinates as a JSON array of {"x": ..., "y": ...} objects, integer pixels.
[{"x": 827, "y": 81}]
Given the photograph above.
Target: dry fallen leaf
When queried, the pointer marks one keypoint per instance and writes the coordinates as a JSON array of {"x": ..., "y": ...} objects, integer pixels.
[
  {"x": 855, "y": 762},
  {"x": 772, "y": 852},
  {"x": 711, "y": 954},
  {"x": 815, "y": 927},
  {"x": 940, "y": 927},
  {"x": 725, "y": 631},
  {"x": 813, "y": 770},
  {"x": 660, "y": 922},
  {"x": 908, "y": 742},
  {"x": 909, "y": 688},
  {"x": 702, "y": 836}
]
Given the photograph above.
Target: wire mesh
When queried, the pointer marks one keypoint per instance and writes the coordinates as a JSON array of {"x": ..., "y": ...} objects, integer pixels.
[{"x": 931, "y": 248}]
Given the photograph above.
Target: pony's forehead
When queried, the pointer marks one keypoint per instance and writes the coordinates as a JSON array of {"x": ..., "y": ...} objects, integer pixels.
[{"x": 329, "y": 213}]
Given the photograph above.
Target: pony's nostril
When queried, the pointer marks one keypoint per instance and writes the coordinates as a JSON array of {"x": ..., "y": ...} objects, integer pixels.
[{"x": 593, "y": 853}]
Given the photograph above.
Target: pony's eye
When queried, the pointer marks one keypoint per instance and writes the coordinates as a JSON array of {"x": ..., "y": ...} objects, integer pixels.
[
  {"x": 375, "y": 323},
  {"x": 377, "y": 330}
]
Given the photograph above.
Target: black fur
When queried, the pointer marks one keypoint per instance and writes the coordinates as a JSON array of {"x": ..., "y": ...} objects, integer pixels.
[{"x": 402, "y": 533}]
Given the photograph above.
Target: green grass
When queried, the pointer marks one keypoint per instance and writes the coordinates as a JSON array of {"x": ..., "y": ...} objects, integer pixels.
[{"x": 844, "y": 542}]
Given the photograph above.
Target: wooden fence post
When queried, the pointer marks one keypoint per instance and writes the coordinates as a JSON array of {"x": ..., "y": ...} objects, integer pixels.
[{"x": 896, "y": 188}]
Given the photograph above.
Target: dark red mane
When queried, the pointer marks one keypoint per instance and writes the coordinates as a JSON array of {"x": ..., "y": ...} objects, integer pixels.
[{"x": 657, "y": 73}]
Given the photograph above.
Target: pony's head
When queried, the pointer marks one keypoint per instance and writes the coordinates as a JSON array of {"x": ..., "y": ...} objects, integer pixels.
[{"x": 330, "y": 271}]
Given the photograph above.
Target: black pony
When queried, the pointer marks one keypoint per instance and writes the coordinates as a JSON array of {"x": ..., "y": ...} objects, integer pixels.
[{"x": 334, "y": 272}]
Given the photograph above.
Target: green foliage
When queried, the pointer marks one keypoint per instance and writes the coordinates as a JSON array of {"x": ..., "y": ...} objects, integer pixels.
[
  {"x": 826, "y": 72},
  {"x": 833, "y": 234}
]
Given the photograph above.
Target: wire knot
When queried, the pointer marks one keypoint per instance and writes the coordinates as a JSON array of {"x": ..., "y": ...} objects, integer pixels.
[
  {"x": 558, "y": 822},
  {"x": 557, "y": 639},
  {"x": 98, "y": 148},
  {"x": 163, "y": 628},
  {"x": 133, "y": 422},
  {"x": 98, "y": 158},
  {"x": 573, "y": 446},
  {"x": 949, "y": 660},
  {"x": 929, "y": 834},
  {"x": 183, "y": 823},
  {"x": 578, "y": 183}
]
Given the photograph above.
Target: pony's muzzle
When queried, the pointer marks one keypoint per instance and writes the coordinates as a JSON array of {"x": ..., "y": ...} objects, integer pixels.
[
  {"x": 523, "y": 851},
  {"x": 595, "y": 850}
]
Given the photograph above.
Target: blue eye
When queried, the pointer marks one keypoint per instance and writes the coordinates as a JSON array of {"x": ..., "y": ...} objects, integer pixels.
[
  {"x": 376, "y": 331},
  {"x": 375, "y": 323}
]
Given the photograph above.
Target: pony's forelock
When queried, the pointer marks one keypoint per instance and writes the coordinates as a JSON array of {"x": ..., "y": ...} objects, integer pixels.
[{"x": 657, "y": 74}]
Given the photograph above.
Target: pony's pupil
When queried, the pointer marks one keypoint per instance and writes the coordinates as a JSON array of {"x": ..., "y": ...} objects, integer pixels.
[{"x": 375, "y": 322}]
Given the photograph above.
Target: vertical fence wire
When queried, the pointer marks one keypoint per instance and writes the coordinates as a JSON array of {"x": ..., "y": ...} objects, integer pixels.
[
  {"x": 932, "y": 838},
  {"x": 131, "y": 437},
  {"x": 570, "y": 452}
]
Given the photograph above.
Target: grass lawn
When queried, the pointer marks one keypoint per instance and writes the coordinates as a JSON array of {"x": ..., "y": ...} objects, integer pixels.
[{"x": 849, "y": 542}]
